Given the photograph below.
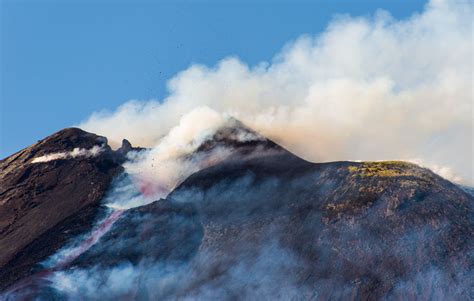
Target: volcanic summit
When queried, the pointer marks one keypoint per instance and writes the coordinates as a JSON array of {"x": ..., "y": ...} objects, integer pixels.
[{"x": 253, "y": 222}]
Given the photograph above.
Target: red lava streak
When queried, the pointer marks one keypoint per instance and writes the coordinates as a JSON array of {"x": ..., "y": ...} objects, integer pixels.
[
  {"x": 149, "y": 189},
  {"x": 103, "y": 228},
  {"x": 42, "y": 276}
]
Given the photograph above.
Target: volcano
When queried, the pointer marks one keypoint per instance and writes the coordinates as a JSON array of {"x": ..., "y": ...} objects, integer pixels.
[{"x": 259, "y": 223}]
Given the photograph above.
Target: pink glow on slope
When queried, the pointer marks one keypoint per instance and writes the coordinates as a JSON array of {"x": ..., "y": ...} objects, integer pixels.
[
  {"x": 103, "y": 228},
  {"x": 42, "y": 276},
  {"x": 150, "y": 190},
  {"x": 147, "y": 188}
]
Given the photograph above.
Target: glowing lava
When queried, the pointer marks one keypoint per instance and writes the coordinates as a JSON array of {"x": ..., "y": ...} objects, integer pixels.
[{"x": 34, "y": 282}]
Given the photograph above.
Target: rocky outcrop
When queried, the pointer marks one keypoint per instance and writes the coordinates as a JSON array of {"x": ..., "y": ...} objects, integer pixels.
[{"x": 50, "y": 192}]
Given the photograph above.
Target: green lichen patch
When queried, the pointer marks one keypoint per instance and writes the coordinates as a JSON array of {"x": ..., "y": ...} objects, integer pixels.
[{"x": 383, "y": 169}]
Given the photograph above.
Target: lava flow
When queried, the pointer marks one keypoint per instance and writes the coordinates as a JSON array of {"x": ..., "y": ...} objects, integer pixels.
[
  {"x": 103, "y": 228},
  {"x": 35, "y": 280}
]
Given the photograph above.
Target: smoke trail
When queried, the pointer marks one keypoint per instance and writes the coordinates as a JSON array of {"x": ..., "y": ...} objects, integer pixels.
[
  {"x": 367, "y": 88},
  {"x": 75, "y": 153},
  {"x": 152, "y": 174},
  {"x": 34, "y": 284},
  {"x": 67, "y": 255},
  {"x": 443, "y": 171}
]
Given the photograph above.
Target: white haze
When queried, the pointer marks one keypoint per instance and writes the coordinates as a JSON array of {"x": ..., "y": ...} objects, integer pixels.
[
  {"x": 367, "y": 88},
  {"x": 167, "y": 163},
  {"x": 75, "y": 153},
  {"x": 157, "y": 171}
]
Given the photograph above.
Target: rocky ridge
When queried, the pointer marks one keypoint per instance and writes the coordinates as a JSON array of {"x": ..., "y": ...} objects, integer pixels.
[{"x": 49, "y": 193}]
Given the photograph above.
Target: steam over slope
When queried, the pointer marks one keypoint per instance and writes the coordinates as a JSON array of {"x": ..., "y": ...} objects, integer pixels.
[
  {"x": 261, "y": 223},
  {"x": 278, "y": 227}
]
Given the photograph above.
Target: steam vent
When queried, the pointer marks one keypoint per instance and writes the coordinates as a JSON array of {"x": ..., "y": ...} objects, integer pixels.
[{"x": 241, "y": 219}]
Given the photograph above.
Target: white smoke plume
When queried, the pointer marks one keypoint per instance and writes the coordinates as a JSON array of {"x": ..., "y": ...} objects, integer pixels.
[
  {"x": 75, "y": 153},
  {"x": 152, "y": 174},
  {"x": 369, "y": 88},
  {"x": 443, "y": 171},
  {"x": 165, "y": 163}
]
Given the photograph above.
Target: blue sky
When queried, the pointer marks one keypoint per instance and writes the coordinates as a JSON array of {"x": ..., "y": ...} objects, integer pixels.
[{"x": 60, "y": 61}]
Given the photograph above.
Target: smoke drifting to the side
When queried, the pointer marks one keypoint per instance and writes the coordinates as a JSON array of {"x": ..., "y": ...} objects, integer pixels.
[
  {"x": 152, "y": 174},
  {"x": 281, "y": 228},
  {"x": 367, "y": 88},
  {"x": 75, "y": 153},
  {"x": 252, "y": 245},
  {"x": 161, "y": 168}
]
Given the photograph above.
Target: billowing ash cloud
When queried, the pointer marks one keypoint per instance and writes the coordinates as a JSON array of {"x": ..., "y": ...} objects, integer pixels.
[
  {"x": 367, "y": 88},
  {"x": 152, "y": 174}
]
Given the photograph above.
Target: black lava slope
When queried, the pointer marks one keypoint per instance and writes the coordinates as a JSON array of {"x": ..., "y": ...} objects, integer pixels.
[
  {"x": 264, "y": 224},
  {"x": 44, "y": 204},
  {"x": 350, "y": 230}
]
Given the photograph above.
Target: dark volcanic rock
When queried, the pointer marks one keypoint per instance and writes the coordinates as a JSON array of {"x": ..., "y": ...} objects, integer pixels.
[
  {"x": 242, "y": 140},
  {"x": 350, "y": 230},
  {"x": 162, "y": 230},
  {"x": 43, "y": 204},
  {"x": 125, "y": 148},
  {"x": 263, "y": 224}
]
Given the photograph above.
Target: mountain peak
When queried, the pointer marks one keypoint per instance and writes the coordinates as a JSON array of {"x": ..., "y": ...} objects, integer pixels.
[
  {"x": 48, "y": 187},
  {"x": 69, "y": 138},
  {"x": 236, "y": 135}
]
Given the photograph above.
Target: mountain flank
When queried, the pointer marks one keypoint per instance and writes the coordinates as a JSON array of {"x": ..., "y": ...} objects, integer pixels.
[
  {"x": 44, "y": 204},
  {"x": 260, "y": 224}
]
